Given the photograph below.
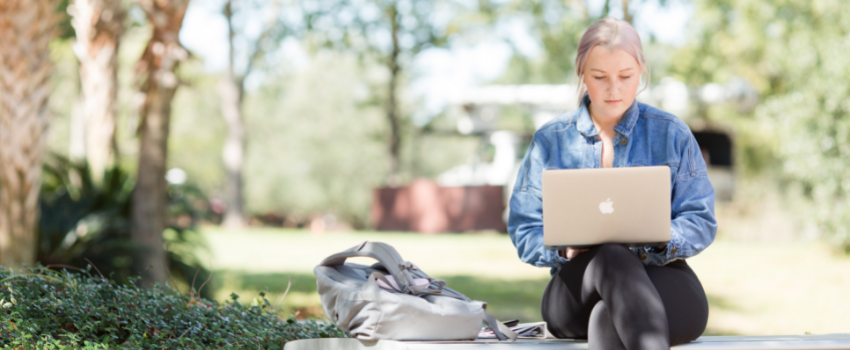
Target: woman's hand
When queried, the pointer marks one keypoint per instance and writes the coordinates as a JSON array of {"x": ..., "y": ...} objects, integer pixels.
[{"x": 572, "y": 253}]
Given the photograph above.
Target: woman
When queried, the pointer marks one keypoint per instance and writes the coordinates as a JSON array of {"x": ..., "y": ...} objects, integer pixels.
[{"x": 614, "y": 296}]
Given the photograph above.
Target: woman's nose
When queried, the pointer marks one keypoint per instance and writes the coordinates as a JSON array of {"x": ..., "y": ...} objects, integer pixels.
[{"x": 614, "y": 86}]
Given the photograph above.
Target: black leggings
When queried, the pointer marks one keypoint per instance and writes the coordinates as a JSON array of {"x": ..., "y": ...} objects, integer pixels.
[{"x": 607, "y": 296}]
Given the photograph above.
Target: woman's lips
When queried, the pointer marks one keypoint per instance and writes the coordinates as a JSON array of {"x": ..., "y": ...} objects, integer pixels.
[{"x": 613, "y": 102}]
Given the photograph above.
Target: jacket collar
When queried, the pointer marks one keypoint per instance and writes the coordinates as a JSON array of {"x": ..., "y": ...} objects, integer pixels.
[{"x": 624, "y": 127}]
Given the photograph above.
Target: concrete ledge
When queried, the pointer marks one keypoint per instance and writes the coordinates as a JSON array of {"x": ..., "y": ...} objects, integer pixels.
[{"x": 813, "y": 342}]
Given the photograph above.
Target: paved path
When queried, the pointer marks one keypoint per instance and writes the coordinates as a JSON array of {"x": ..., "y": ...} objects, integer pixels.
[{"x": 812, "y": 342}]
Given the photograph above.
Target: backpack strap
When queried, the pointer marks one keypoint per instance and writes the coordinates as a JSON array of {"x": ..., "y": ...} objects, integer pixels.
[
  {"x": 420, "y": 290},
  {"x": 501, "y": 331},
  {"x": 402, "y": 271}
]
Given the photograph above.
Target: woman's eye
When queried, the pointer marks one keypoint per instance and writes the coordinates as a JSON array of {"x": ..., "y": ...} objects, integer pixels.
[
  {"x": 598, "y": 78},
  {"x": 625, "y": 77}
]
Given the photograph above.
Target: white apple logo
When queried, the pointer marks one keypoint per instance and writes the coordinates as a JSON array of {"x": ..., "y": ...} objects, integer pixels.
[{"x": 606, "y": 207}]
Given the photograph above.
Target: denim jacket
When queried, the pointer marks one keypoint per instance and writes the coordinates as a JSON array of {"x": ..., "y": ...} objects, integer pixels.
[{"x": 645, "y": 136}]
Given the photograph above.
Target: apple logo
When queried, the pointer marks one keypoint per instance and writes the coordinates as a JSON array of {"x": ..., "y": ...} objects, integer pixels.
[{"x": 606, "y": 207}]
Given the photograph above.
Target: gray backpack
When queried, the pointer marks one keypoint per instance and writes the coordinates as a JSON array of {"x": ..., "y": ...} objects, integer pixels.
[{"x": 393, "y": 299}]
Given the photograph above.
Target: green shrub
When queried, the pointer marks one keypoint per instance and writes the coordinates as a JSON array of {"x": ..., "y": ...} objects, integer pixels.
[
  {"x": 45, "y": 309},
  {"x": 86, "y": 221}
]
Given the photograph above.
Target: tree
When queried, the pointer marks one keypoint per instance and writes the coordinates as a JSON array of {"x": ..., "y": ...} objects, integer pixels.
[
  {"x": 26, "y": 29},
  {"x": 391, "y": 33},
  {"x": 627, "y": 16},
  {"x": 232, "y": 91},
  {"x": 558, "y": 26},
  {"x": 313, "y": 139},
  {"x": 156, "y": 70},
  {"x": 794, "y": 54},
  {"x": 98, "y": 25}
]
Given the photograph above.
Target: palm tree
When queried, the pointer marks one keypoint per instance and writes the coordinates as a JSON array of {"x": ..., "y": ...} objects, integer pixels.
[
  {"x": 26, "y": 29},
  {"x": 156, "y": 70},
  {"x": 98, "y": 25}
]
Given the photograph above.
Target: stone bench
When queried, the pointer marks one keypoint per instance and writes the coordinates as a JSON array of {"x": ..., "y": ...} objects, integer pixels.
[{"x": 813, "y": 342}]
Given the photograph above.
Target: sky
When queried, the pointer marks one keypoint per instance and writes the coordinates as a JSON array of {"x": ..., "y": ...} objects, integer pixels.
[{"x": 442, "y": 72}]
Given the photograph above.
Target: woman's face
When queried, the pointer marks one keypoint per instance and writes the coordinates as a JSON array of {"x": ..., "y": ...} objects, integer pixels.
[{"x": 612, "y": 78}]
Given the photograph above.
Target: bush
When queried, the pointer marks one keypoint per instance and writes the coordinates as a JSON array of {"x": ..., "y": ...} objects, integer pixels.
[
  {"x": 86, "y": 221},
  {"x": 46, "y": 309}
]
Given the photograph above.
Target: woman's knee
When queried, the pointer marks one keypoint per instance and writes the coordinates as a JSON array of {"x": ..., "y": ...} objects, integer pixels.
[
  {"x": 684, "y": 300},
  {"x": 562, "y": 313},
  {"x": 601, "y": 331},
  {"x": 686, "y": 331},
  {"x": 690, "y": 327},
  {"x": 600, "y": 318},
  {"x": 615, "y": 254}
]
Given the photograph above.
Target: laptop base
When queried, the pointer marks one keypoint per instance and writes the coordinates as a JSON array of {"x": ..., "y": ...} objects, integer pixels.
[{"x": 588, "y": 246}]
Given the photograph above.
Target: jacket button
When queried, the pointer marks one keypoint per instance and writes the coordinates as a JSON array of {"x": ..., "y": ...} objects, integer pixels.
[
  {"x": 624, "y": 141},
  {"x": 673, "y": 250},
  {"x": 643, "y": 257}
]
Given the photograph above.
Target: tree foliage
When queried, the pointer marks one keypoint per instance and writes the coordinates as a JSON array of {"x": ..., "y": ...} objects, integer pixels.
[
  {"x": 795, "y": 54},
  {"x": 85, "y": 221},
  {"x": 556, "y": 27},
  {"x": 389, "y": 33},
  {"x": 317, "y": 144}
]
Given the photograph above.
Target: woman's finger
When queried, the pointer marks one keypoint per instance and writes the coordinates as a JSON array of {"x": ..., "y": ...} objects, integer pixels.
[{"x": 572, "y": 253}]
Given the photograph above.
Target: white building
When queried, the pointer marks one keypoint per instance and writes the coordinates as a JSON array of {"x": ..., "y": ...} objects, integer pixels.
[{"x": 482, "y": 106}]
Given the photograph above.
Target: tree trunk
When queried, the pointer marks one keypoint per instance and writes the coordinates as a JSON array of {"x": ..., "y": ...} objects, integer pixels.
[
  {"x": 230, "y": 90},
  {"x": 392, "y": 103},
  {"x": 582, "y": 7},
  {"x": 77, "y": 132},
  {"x": 98, "y": 25},
  {"x": 26, "y": 29},
  {"x": 156, "y": 68},
  {"x": 626, "y": 15},
  {"x": 233, "y": 152}
]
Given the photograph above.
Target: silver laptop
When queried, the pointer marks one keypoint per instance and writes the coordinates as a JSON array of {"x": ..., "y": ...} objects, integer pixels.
[{"x": 586, "y": 207}]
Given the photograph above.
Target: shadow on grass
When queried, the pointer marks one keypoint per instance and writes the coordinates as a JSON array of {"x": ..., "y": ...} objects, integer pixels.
[{"x": 506, "y": 299}]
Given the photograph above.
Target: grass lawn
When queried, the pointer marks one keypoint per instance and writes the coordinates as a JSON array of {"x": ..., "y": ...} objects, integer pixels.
[{"x": 753, "y": 288}]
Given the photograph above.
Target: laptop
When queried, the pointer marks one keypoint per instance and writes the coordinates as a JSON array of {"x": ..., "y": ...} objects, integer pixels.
[{"x": 587, "y": 207}]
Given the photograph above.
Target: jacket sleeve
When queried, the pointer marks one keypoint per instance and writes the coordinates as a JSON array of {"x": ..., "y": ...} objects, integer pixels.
[
  {"x": 525, "y": 220},
  {"x": 693, "y": 226}
]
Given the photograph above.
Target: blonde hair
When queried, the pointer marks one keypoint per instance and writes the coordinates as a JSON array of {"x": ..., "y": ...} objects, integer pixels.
[{"x": 610, "y": 33}]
